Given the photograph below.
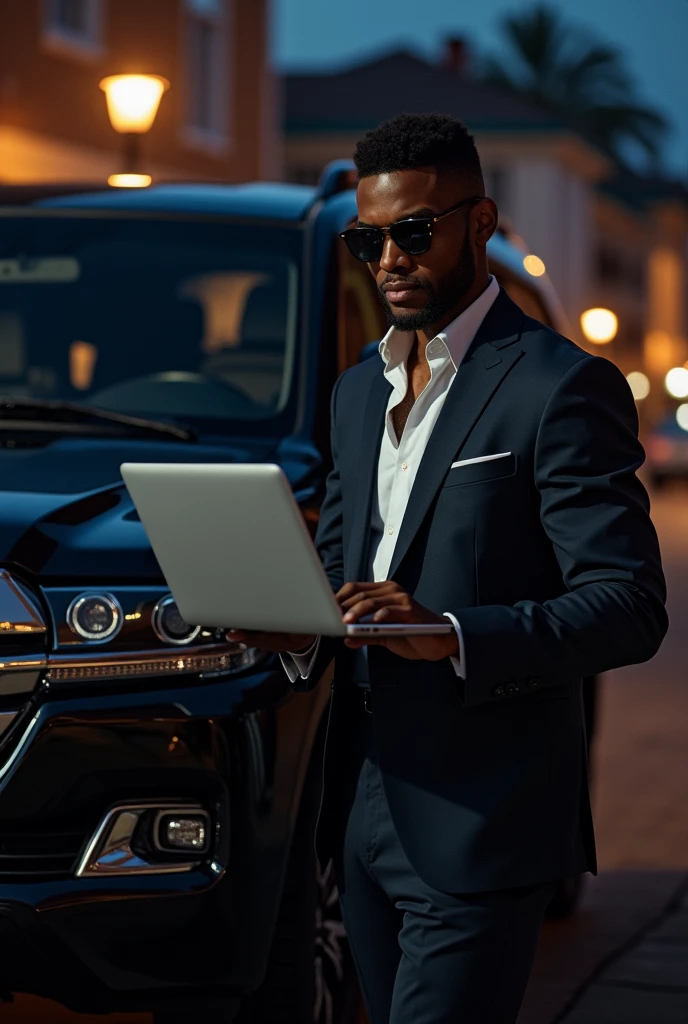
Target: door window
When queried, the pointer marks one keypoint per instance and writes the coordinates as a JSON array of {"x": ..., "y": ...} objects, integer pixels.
[{"x": 360, "y": 315}]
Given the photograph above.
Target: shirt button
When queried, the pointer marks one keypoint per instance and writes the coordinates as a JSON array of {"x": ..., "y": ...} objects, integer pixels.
[
  {"x": 404, "y": 465},
  {"x": 390, "y": 530}
]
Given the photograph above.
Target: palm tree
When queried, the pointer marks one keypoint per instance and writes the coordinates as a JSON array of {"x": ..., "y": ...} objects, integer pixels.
[{"x": 581, "y": 82}]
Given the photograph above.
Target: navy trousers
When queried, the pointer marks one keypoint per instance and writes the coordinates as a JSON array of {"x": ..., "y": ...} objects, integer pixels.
[{"x": 424, "y": 956}]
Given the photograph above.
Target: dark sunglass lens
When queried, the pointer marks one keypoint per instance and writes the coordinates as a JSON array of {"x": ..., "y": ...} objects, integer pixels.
[
  {"x": 365, "y": 244},
  {"x": 413, "y": 236}
]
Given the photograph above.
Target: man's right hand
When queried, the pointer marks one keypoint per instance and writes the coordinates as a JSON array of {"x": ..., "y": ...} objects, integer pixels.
[{"x": 278, "y": 643}]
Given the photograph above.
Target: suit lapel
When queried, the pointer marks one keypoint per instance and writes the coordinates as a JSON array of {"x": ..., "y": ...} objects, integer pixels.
[
  {"x": 369, "y": 453},
  {"x": 491, "y": 356}
]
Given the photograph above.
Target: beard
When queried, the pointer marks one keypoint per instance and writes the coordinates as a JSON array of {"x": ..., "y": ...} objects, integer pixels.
[{"x": 441, "y": 298}]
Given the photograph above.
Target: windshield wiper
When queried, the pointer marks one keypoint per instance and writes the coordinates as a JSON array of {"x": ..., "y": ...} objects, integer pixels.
[{"x": 71, "y": 412}]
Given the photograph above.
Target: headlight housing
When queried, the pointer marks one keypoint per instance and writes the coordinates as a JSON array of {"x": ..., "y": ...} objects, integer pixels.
[
  {"x": 95, "y": 617},
  {"x": 169, "y": 626}
]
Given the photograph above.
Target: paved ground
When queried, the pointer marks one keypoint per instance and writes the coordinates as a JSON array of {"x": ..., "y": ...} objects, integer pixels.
[{"x": 623, "y": 958}]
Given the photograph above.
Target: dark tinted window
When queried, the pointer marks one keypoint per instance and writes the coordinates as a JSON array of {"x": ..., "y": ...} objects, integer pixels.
[{"x": 171, "y": 318}]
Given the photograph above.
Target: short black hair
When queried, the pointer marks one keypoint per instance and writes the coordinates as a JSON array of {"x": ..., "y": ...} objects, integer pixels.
[{"x": 421, "y": 140}]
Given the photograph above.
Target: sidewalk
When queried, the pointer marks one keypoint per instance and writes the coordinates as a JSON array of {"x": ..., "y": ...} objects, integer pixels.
[{"x": 621, "y": 959}]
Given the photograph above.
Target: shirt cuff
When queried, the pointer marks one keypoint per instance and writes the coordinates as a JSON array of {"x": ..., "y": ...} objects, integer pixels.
[
  {"x": 459, "y": 663},
  {"x": 296, "y": 665}
]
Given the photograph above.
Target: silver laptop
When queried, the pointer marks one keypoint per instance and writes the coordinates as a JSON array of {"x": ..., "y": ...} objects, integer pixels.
[{"x": 236, "y": 553}]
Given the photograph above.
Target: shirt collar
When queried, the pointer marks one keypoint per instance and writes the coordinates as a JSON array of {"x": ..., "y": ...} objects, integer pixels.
[{"x": 456, "y": 336}]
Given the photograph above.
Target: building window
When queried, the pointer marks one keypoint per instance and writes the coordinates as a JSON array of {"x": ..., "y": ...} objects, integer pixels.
[
  {"x": 206, "y": 39},
  {"x": 74, "y": 27}
]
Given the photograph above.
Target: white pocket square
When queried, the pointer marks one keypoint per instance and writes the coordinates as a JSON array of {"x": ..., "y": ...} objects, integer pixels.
[{"x": 481, "y": 458}]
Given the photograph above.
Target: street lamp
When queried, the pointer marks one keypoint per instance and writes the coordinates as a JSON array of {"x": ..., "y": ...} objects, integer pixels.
[
  {"x": 599, "y": 325},
  {"x": 132, "y": 103}
]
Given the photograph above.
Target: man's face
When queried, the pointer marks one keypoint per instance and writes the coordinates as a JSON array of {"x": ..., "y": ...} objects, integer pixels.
[{"x": 417, "y": 291}]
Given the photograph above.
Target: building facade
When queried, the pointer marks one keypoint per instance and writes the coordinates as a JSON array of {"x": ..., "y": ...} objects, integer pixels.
[
  {"x": 610, "y": 240},
  {"x": 218, "y": 121}
]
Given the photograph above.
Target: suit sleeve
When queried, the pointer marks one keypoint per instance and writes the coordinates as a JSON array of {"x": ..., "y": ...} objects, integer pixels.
[
  {"x": 329, "y": 543},
  {"x": 595, "y": 512}
]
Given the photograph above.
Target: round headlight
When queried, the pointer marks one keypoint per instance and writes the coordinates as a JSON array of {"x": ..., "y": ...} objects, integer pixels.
[
  {"x": 169, "y": 626},
  {"x": 95, "y": 616}
]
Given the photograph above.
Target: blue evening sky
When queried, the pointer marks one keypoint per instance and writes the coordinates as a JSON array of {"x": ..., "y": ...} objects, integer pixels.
[{"x": 652, "y": 34}]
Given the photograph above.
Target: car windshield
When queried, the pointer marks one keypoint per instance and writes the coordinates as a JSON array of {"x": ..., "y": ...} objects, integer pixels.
[{"x": 181, "y": 319}]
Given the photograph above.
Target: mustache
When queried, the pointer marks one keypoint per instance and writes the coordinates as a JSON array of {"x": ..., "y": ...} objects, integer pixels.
[{"x": 420, "y": 282}]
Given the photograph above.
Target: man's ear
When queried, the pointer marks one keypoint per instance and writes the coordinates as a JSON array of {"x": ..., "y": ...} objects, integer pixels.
[{"x": 485, "y": 219}]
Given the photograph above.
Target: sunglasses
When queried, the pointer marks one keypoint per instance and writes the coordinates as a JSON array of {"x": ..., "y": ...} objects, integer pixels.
[{"x": 413, "y": 235}]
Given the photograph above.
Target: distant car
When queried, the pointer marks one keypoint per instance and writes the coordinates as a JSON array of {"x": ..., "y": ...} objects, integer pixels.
[
  {"x": 667, "y": 452},
  {"x": 158, "y": 791}
]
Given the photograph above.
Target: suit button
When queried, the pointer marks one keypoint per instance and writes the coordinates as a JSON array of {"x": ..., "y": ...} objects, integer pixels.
[
  {"x": 512, "y": 688},
  {"x": 498, "y": 691},
  {"x": 533, "y": 683}
]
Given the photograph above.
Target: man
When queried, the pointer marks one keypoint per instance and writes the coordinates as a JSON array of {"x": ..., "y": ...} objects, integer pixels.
[{"x": 484, "y": 472}]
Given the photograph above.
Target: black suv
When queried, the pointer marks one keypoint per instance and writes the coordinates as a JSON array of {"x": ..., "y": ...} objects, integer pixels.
[{"x": 158, "y": 790}]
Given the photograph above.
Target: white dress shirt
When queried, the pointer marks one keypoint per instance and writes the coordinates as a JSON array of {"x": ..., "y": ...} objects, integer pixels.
[{"x": 399, "y": 459}]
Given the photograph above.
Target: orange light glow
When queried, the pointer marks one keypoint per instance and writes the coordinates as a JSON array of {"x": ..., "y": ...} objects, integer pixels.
[
  {"x": 599, "y": 325},
  {"x": 133, "y": 100},
  {"x": 129, "y": 180},
  {"x": 534, "y": 265}
]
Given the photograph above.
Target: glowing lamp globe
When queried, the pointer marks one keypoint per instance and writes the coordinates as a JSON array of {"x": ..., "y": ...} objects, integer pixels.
[
  {"x": 599, "y": 325},
  {"x": 133, "y": 101}
]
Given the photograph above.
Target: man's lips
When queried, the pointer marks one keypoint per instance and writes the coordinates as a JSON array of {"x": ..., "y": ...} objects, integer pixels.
[{"x": 399, "y": 291}]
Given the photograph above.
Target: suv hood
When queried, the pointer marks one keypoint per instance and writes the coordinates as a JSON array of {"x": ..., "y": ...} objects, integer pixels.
[{"x": 65, "y": 512}]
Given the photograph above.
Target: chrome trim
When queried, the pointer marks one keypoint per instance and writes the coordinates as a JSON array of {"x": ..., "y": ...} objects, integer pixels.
[
  {"x": 24, "y": 663},
  {"x": 21, "y": 673},
  {"x": 19, "y": 614},
  {"x": 109, "y": 851},
  {"x": 115, "y": 607},
  {"x": 156, "y": 624},
  {"x": 20, "y": 747},
  {"x": 132, "y": 664}
]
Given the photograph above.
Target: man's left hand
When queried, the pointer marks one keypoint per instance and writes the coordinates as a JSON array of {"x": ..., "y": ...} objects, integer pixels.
[{"x": 386, "y": 603}]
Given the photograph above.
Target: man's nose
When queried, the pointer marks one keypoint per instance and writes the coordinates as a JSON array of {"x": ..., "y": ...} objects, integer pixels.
[{"x": 393, "y": 256}]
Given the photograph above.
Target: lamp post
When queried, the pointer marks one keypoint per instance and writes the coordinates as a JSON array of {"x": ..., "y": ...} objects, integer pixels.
[{"x": 132, "y": 104}]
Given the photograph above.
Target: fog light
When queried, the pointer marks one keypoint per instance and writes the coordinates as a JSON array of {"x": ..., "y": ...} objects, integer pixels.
[{"x": 189, "y": 832}]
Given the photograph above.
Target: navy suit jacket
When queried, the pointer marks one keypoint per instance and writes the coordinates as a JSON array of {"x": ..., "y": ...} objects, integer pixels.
[{"x": 550, "y": 563}]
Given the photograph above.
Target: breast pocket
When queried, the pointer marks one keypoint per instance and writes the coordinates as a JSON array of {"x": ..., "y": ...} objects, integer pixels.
[{"x": 476, "y": 471}]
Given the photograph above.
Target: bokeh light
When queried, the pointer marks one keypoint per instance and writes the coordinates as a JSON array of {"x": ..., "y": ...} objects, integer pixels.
[
  {"x": 676, "y": 382},
  {"x": 599, "y": 325},
  {"x": 639, "y": 384},
  {"x": 682, "y": 416},
  {"x": 534, "y": 265}
]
